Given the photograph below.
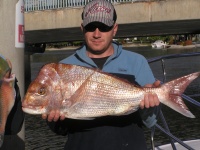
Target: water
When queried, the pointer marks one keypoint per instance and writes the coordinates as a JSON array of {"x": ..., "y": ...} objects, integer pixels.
[{"x": 39, "y": 137}]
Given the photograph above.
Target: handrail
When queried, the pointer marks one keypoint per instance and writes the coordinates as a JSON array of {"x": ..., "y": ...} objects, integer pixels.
[
  {"x": 171, "y": 56},
  {"x": 151, "y": 60},
  {"x": 189, "y": 99},
  {"x": 34, "y": 5},
  {"x": 174, "y": 138}
]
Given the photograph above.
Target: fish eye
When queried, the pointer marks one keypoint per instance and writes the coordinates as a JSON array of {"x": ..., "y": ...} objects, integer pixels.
[{"x": 41, "y": 91}]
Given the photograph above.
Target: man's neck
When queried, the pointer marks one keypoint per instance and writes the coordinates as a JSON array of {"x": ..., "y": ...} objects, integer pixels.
[{"x": 106, "y": 53}]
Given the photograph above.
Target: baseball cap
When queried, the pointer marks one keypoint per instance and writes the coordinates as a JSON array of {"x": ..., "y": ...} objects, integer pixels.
[{"x": 99, "y": 11}]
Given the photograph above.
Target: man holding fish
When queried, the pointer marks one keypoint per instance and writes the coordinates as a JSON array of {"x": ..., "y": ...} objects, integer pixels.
[{"x": 108, "y": 133}]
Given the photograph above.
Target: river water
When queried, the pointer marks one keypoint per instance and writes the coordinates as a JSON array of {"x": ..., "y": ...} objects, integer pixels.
[{"x": 39, "y": 137}]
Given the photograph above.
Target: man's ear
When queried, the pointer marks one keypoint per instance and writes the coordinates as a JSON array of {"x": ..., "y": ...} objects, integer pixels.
[
  {"x": 115, "y": 29},
  {"x": 82, "y": 29}
]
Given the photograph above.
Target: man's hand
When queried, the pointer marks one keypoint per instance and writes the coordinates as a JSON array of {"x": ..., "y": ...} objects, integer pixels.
[
  {"x": 150, "y": 99},
  {"x": 54, "y": 115}
]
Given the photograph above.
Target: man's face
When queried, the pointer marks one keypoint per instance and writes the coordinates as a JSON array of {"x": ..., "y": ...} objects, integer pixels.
[{"x": 99, "y": 37}]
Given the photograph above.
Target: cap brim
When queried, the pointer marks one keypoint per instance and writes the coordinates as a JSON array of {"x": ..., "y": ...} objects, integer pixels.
[{"x": 105, "y": 21}]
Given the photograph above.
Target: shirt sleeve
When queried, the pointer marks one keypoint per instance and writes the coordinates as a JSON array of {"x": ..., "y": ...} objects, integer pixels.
[
  {"x": 150, "y": 116},
  {"x": 144, "y": 73},
  {"x": 59, "y": 127}
]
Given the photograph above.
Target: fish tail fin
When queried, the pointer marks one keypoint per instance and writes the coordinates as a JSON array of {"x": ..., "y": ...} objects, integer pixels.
[{"x": 175, "y": 89}]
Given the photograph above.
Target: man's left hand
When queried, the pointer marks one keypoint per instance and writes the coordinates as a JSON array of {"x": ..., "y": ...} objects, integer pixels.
[{"x": 150, "y": 99}]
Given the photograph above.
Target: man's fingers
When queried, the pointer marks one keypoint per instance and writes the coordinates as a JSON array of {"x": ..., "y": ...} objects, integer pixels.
[
  {"x": 148, "y": 85},
  {"x": 146, "y": 101},
  {"x": 44, "y": 116},
  {"x": 153, "y": 99},
  {"x": 156, "y": 83},
  {"x": 54, "y": 115},
  {"x": 62, "y": 117},
  {"x": 51, "y": 115},
  {"x": 156, "y": 100},
  {"x": 142, "y": 104},
  {"x": 150, "y": 100}
]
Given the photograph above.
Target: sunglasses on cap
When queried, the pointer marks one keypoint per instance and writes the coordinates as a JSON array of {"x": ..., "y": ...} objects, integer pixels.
[{"x": 91, "y": 27}]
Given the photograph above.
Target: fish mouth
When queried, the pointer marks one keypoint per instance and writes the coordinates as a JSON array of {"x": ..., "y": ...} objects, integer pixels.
[{"x": 34, "y": 110}]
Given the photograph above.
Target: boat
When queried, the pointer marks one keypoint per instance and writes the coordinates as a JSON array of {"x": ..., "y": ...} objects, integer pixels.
[
  {"x": 174, "y": 142},
  {"x": 128, "y": 41},
  {"x": 197, "y": 44},
  {"x": 159, "y": 44},
  {"x": 192, "y": 143}
]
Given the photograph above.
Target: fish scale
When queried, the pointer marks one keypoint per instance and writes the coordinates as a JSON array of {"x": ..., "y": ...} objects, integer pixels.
[{"x": 86, "y": 93}]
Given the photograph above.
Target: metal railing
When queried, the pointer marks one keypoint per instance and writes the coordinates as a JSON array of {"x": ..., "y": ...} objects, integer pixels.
[
  {"x": 34, "y": 5},
  {"x": 166, "y": 130}
]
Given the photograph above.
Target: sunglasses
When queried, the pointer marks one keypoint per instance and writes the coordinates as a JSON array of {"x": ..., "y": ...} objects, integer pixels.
[{"x": 102, "y": 27}]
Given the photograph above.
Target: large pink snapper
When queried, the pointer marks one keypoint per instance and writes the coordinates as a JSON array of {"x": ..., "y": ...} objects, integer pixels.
[
  {"x": 7, "y": 94},
  {"x": 85, "y": 93}
]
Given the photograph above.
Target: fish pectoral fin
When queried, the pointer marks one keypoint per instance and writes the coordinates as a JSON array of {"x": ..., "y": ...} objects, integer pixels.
[
  {"x": 67, "y": 103},
  {"x": 80, "y": 92},
  {"x": 75, "y": 98}
]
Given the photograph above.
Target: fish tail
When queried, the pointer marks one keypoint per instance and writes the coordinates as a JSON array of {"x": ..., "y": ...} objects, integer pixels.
[{"x": 175, "y": 89}]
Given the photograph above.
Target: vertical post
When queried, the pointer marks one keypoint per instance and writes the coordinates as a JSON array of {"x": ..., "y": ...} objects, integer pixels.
[{"x": 14, "y": 52}]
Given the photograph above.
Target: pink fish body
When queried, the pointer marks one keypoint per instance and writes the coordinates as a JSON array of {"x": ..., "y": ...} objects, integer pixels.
[
  {"x": 85, "y": 93},
  {"x": 7, "y": 94}
]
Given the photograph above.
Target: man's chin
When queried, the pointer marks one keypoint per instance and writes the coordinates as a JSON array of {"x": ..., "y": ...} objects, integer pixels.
[{"x": 96, "y": 50}]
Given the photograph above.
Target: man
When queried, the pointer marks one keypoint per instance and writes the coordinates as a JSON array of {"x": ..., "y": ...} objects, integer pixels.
[
  {"x": 108, "y": 133},
  {"x": 15, "y": 117},
  {"x": 14, "y": 125}
]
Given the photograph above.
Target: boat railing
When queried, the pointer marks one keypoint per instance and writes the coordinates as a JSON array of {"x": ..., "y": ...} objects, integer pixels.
[{"x": 165, "y": 129}]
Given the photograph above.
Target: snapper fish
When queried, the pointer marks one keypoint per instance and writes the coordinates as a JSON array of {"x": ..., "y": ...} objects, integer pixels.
[
  {"x": 7, "y": 93},
  {"x": 85, "y": 93}
]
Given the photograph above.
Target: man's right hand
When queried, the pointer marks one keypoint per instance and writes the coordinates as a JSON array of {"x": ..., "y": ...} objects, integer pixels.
[{"x": 54, "y": 115}]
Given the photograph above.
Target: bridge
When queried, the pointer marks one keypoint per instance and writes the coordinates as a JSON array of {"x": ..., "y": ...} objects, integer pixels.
[{"x": 48, "y": 21}]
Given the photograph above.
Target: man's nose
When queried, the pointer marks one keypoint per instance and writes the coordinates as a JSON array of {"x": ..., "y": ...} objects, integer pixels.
[{"x": 97, "y": 33}]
